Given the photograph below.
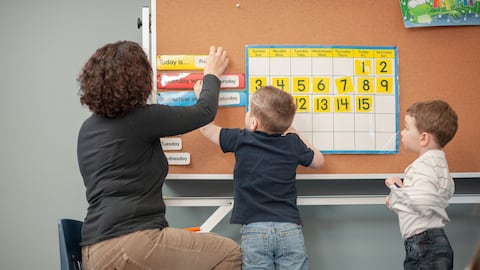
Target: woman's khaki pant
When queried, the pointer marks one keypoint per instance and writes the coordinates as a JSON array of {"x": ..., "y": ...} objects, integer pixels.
[{"x": 170, "y": 249}]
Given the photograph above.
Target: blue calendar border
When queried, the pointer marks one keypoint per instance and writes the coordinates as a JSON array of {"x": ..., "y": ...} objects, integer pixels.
[{"x": 397, "y": 94}]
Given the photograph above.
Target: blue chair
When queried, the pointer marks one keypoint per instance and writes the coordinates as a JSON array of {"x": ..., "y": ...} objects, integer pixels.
[{"x": 69, "y": 235}]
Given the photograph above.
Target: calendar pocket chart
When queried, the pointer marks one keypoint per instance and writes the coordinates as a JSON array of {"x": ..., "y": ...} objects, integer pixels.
[{"x": 347, "y": 97}]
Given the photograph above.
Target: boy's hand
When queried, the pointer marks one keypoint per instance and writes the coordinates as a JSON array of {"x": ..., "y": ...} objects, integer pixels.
[
  {"x": 197, "y": 88},
  {"x": 217, "y": 62},
  {"x": 318, "y": 158},
  {"x": 387, "y": 201},
  {"x": 291, "y": 129},
  {"x": 393, "y": 181}
]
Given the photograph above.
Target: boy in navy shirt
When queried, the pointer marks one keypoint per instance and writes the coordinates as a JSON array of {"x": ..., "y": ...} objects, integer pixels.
[{"x": 267, "y": 153}]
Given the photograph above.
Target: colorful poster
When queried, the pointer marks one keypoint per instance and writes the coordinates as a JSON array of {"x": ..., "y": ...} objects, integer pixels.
[
  {"x": 422, "y": 13},
  {"x": 346, "y": 96}
]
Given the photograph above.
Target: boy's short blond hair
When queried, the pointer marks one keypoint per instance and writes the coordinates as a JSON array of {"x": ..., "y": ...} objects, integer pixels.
[
  {"x": 435, "y": 117},
  {"x": 274, "y": 108}
]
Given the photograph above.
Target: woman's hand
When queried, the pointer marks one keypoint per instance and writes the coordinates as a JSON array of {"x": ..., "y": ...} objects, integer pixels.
[{"x": 217, "y": 62}]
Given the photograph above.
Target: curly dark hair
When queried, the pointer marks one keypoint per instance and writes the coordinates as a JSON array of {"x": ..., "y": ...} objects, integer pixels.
[{"x": 116, "y": 79}]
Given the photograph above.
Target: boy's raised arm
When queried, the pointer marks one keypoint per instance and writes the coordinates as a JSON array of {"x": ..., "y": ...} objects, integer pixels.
[
  {"x": 318, "y": 158},
  {"x": 211, "y": 132}
]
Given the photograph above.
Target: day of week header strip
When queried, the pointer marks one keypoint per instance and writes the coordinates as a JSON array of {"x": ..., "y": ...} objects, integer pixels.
[{"x": 366, "y": 52}]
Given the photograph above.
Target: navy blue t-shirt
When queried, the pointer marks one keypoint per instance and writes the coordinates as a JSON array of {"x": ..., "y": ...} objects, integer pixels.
[{"x": 265, "y": 174}]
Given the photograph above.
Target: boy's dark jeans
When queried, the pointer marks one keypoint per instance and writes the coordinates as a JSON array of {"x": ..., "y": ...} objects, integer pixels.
[{"x": 428, "y": 250}]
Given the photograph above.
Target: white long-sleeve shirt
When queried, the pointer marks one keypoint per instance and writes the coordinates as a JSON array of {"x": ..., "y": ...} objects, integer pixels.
[{"x": 427, "y": 187}]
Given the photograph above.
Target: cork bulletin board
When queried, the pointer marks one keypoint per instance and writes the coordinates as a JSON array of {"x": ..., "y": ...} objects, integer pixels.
[{"x": 433, "y": 63}]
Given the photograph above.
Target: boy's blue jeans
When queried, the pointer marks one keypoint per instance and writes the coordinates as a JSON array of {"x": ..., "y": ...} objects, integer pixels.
[
  {"x": 273, "y": 245},
  {"x": 428, "y": 250}
]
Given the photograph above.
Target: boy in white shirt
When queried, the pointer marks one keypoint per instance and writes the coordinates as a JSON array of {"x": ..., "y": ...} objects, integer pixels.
[{"x": 421, "y": 198}]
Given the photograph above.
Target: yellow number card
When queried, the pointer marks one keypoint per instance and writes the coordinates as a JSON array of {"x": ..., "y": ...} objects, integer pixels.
[
  {"x": 256, "y": 83},
  {"x": 321, "y": 85},
  {"x": 301, "y": 84},
  {"x": 302, "y": 102}
]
